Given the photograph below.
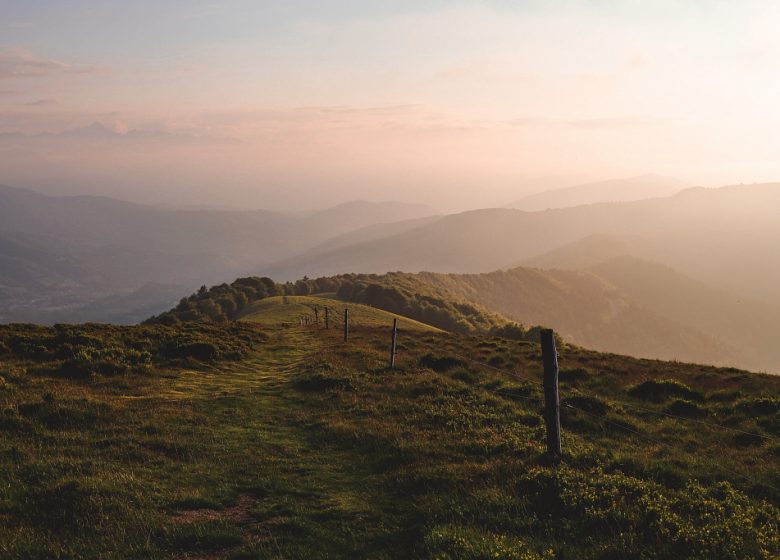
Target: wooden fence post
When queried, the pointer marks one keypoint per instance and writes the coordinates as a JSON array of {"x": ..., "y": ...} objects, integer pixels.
[
  {"x": 552, "y": 407},
  {"x": 346, "y": 323},
  {"x": 316, "y": 314},
  {"x": 393, "y": 343},
  {"x": 327, "y": 318}
]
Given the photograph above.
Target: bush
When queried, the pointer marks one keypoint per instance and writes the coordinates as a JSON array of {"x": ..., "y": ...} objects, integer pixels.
[
  {"x": 590, "y": 404},
  {"x": 465, "y": 375},
  {"x": 658, "y": 391},
  {"x": 440, "y": 363},
  {"x": 197, "y": 350},
  {"x": 573, "y": 375},
  {"x": 628, "y": 515},
  {"x": 762, "y": 406},
  {"x": 681, "y": 407}
]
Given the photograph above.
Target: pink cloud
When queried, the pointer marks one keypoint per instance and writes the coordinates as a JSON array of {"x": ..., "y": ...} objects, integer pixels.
[{"x": 21, "y": 63}]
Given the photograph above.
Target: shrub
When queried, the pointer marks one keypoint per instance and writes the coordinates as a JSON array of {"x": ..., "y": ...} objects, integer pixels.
[
  {"x": 440, "y": 363},
  {"x": 681, "y": 407},
  {"x": 629, "y": 515},
  {"x": 658, "y": 391},
  {"x": 573, "y": 375},
  {"x": 590, "y": 404},
  {"x": 761, "y": 406},
  {"x": 465, "y": 375},
  {"x": 197, "y": 350},
  {"x": 469, "y": 543}
]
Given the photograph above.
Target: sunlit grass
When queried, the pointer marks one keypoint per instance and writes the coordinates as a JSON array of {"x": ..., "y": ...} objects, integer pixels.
[{"x": 308, "y": 447}]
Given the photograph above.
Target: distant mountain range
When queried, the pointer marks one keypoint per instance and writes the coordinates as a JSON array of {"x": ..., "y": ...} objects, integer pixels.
[
  {"x": 613, "y": 190},
  {"x": 691, "y": 276},
  {"x": 599, "y": 309},
  {"x": 62, "y": 253},
  {"x": 726, "y": 237}
]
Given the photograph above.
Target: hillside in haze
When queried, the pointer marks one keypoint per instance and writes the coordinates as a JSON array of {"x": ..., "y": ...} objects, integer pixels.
[
  {"x": 613, "y": 190},
  {"x": 718, "y": 236},
  {"x": 585, "y": 309},
  {"x": 671, "y": 278},
  {"x": 617, "y": 307},
  {"x": 62, "y": 255}
]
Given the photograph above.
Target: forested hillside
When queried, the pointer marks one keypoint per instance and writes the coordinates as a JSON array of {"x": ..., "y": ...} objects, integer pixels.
[
  {"x": 226, "y": 302},
  {"x": 584, "y": 308}
]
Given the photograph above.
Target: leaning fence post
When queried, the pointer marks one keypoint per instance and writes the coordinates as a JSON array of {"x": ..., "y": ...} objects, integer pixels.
[
  {"x": 394, "y": 339},
  {"x": 552, "y": 411},
  {"x": 346, "y": 323},
  {"x": 327, "y": 318}
]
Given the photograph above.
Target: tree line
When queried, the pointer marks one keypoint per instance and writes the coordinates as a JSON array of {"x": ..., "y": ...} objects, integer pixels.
[{"x": 393, "y": 292}]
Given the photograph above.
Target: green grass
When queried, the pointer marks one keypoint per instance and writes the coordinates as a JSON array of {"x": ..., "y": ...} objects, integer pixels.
[
  {"x": 296, "y": 445},
  {"x": 273, "y": 311}
]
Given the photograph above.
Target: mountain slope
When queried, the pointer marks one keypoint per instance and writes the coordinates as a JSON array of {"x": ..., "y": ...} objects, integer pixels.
[
  {"x": 614, "y": 190},
  {"x": 69, "y": 252},
  {"x": 721, "y": 236},
  {"x": 270, "y": 440},
  {"x": 580, "y": 306},
  {"x": 748, "y": 324}
]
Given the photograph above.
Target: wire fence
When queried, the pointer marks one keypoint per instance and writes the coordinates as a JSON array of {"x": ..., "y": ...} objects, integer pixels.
[{"x": 713, "y": 426}]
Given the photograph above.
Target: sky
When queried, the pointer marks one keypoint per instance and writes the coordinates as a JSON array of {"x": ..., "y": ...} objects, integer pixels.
[{"x": 298, "y": 104}]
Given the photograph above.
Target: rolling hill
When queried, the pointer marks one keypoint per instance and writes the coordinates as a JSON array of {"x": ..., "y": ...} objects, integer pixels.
[
  {"x": 63, "y": 253},
  {"x": 260, "y": 438},
  {"x": 718, "y": 236},
  {"x": 621, "y": 306},
  {"x": 614, "y": 190},
  {"x": 584, "y": 309}
]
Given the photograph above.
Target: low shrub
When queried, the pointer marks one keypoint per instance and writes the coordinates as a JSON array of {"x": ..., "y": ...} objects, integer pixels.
[
  {"x": 761, "y": 406},
  {"x": 658, "y": 391},
  {"x": 573, "y": 375},
  {"x": 682, "y": 407},
  {"x": 590, "y": 404},
  {"x": 440, "y": 363}
]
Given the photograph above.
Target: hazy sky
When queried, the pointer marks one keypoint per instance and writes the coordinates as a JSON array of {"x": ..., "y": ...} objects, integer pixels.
[{"x": 456, "y": 104}]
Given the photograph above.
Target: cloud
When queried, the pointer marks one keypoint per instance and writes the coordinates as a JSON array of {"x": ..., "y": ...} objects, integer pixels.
[
  {"x": 41, "y": 103},
  {"x": 21, "y": 63},
  {"x": 587, "y": 123},
  {"x": 613, "y": 122}
]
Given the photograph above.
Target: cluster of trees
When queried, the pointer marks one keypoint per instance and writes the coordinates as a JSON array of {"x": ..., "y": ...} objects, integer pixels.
[
  {"x": 225, "y": 302},
  {"x": 219, "y": 303},
  {"x": 437, "y": 311},
  {"x": 395, "y": 292}
]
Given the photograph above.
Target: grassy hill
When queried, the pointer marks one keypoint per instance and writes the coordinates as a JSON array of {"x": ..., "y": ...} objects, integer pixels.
[
  {"x": 264, "y": 439},
  {"x": 284, "y": 310},
  {"x": 583, "y": 307},
  {"x": 625, "y": 306}
]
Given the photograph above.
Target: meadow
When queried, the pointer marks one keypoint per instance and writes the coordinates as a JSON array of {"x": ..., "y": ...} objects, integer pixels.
[{"x": 262, "y": 438}]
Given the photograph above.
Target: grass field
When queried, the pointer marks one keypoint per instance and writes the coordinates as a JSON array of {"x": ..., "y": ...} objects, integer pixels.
[
  {"x": 273, "y": 311},
  {"x": 293, "y": 444}
]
